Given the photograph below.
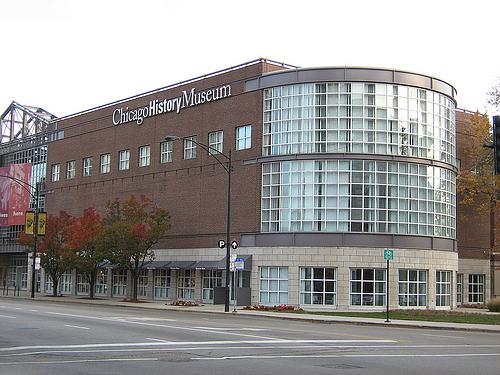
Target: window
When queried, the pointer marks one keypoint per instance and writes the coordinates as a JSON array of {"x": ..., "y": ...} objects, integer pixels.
[
  {"x": 101, "y": 282},
  {"x": 244, "y": 137},
  {"x": 82, "y": 286},
  {"x": 190, "y": 147},
  {"x": 443, "y": 288},
  {"x": 211, "y": 280},
  {"x": 65, "y": 283},
  {"x": 162, "y": 283},
  {"x": 215, "y": 141},
  {"x": 70, "y": 169},
  {"x": 273, "y": 285},
  {"x": 476, "y": 288},
  {"x": 119, "y": 282},
  {"x": 142, "y": 284},
  {"x": 185, "y": 284},
  {"x": 56, "y": 172},
  {"x": 144, "y": 156},
  {"x": 460, "y": 288},
  {"x": 367, "y": 287},
  {"x": 124, "y": 160},
  {"x": 87, "y": 167},
  {"x": 412, "y": 288},
  {"x": 318, "y": 286},
  {"x": 105, "y": 163},
  {"x": 166, "y": 150}
]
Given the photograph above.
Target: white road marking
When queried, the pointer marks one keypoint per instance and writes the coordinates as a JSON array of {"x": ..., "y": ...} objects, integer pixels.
[
  {"x": 233, "y": 329},
  {"x": 246, "y": 348},
  {"x": 173, "y": 343},
  {"x": 79, "y": 327},
  {"x": 160, "y": 325},
  {"x": 78, "y": 361},
  {"x": 158, "y": 340},
  {"x": 34, "y": 310},
  {"x": 347, "y": 356},
  {"x": 18, "y": 308},
  {"x": 8, "y": 316},
  {"x": 447, "y": 337}
]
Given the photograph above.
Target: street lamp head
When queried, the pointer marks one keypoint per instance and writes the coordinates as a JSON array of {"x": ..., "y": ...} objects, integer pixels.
[{"x": 172, "y": 138}]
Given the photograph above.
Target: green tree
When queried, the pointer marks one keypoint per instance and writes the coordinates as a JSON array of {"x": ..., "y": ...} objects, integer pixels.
[
  {"x": 57, "y": 256},
  {"x": 87, "y": 245},
  {"x": 476, "y": 180},
  {"x": 131, "y": 229}
]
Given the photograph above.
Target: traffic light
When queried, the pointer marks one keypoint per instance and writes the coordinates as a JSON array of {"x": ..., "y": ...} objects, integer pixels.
[{"x": 496, "y": 142}]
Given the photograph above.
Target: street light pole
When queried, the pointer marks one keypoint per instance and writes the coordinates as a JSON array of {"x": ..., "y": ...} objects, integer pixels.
[
  {"x": 228, "y": 232},
  {"x": 35, "y": 240},
  {"x": 35, "y": 196},
  {"x": 214, "y": 152}
]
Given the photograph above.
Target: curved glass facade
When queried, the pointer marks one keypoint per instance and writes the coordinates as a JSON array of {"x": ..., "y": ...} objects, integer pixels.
[
  {"x": 339, "y": 193},
  {"x": 351, "y": 117},
  {"x": 358, "y": 196}
]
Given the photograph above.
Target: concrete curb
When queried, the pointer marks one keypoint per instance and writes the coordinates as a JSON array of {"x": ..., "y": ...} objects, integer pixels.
[{"x": 208, "y": 309}]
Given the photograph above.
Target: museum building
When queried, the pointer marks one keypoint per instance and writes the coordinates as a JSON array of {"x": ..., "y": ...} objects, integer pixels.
[{"x": 330, "y": 166}]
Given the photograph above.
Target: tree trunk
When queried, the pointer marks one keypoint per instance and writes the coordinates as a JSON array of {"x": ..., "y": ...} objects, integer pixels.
[
  {"x": 92, "y": 277},
  {"x": 55, "y": 283},
  {"x": 135, "y": 277}
]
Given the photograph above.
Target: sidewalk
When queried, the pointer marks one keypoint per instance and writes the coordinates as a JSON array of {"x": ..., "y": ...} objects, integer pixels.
[{"x": 219, "y": 309}]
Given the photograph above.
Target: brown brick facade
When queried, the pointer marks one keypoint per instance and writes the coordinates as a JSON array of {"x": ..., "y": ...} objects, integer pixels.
[{"x": 194, "y": 191}]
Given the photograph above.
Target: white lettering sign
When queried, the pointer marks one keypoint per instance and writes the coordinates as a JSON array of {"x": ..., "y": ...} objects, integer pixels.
[{"x": 157, "y": 107}]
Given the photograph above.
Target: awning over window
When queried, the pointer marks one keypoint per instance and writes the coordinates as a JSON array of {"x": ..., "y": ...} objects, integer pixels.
[
  {"x": 210, "y": 265},
  {"x": 181, "y": 264}
]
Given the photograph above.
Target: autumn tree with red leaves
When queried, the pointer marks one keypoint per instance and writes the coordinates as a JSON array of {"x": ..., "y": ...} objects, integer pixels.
[
  {"x": 131, "y": 229},
  {"x": 86, "y": 241},
  {"x": 56, "y": 254}
]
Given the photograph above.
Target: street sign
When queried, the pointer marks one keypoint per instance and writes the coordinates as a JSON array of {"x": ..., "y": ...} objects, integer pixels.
[
  {"x": 234, "y": 245},
  {"x": 388, "y": 254},
  {"x": 239, "y": 264},
  {"x": 221, "y": 244},
  {"x": 37, "y": 263}
]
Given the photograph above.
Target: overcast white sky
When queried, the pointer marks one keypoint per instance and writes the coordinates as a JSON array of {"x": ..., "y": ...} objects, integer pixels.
[{"x": 67, "y": 56}]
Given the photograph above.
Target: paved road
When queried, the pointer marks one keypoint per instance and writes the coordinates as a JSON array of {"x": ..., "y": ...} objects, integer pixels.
[{"x": 57, "y": 338}]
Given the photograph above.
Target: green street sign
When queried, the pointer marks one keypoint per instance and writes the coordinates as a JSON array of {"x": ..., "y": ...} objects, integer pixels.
[{"x": 388, "y": 254}]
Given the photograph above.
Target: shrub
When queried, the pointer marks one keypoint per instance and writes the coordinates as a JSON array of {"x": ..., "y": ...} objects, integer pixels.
[
  {"x": 184, "y": 303},
  {"x": 494, "y": 305},
  {"x": 282, "y": 307}
]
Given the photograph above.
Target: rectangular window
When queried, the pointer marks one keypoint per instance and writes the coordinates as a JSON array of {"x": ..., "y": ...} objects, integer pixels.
[
  {"x": 71, "y": 169},
  {"x": 101, "y": 282},
  {"x": 244, "y": 137},
  {"x": 273, "y": 285},
  {"x": 105, "y": 163},
  {"x": 460, "y": 288},
  {"x": 82, "y": 286},
  {"x": 65, "y": 283},
  {"x": 476, "y": 288},
  {"x": 412, "y": 288},
  {"x": 185, "y": 284},
  {"x": 87, "y": 167},
  {"x": 56, "y": 172},
  {"x": 144, "y": 156},
  {"x": 190, "y": 147},
  {"x": 443, "y": 288},
  {"x": 215, "y": 141},
  {"x": 318, "y": 286},
  {"x": 142, "y": 283},
  {"x": 162, "y": 283},
  {"x": 368, "y": 287},
  {"x": 211, "y": 279},
  {"x": 124, "y": 160},
  {"x": 119, "y": 282},
  {"x": 166, "y": 150}
]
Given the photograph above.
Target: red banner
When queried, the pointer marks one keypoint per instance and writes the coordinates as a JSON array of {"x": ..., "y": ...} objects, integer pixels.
[{"x": 14, "y": 196}]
